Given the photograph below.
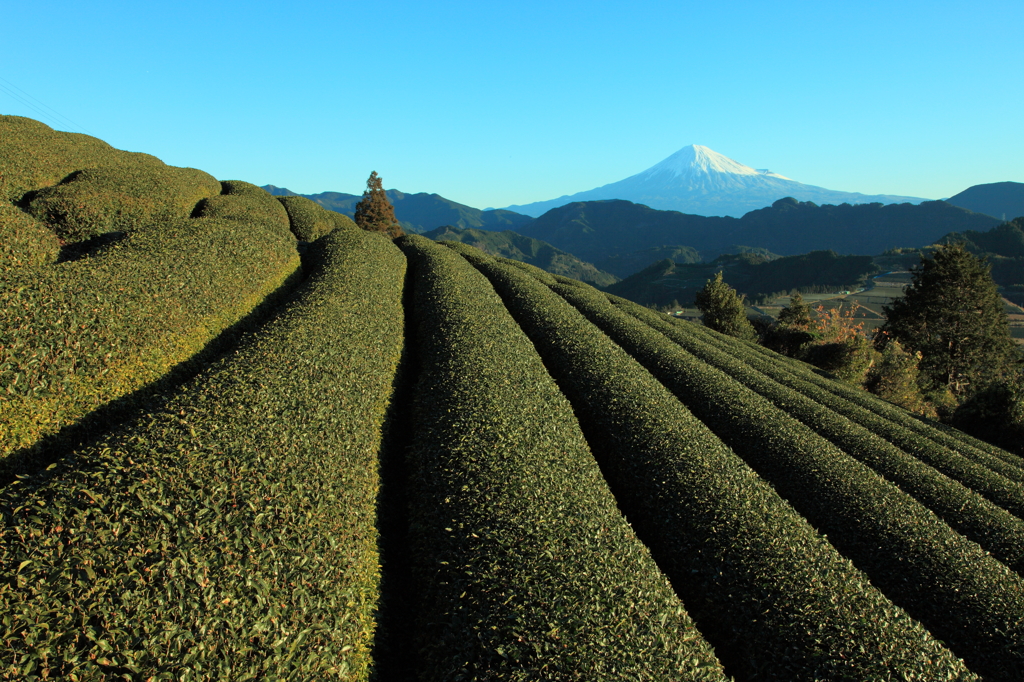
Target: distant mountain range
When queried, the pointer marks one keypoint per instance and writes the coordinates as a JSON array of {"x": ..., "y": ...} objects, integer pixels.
[
  {"x": 598, "y": 230},
  {"x": 699, "y": 181},
  {"x": 1003, "y": 200},
  {"x": 420, "y": 212}
]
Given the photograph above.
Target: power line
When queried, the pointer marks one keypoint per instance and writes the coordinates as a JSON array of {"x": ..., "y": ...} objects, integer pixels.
[{"x": 54, "y": 116}]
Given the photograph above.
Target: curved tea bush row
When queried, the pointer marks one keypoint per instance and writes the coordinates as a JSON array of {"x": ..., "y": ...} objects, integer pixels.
[
  {"x": 120, "y": 198},
  {"x": 33, "y": 156},
  {"x": 229, "y": 534},
  {"x": 247, "y": 203},
  {"x": 525, "y": 568},
  {"x": 76, "y": 335},
  {"x": 982, "y": 478},
  {"x": 775, "y": 599},
  {"x": 995, "y": 529},
  {"x": 962, "y": 594},
  {"x": 310, "y": 221},
  {"x": 998, "y": 460}
]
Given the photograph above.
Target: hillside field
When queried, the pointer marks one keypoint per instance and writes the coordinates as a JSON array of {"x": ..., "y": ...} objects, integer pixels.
[{"x": 243, "y": 439}]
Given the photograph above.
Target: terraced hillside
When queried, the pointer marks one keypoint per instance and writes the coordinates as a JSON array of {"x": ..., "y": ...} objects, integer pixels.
[{"x": 246, "y": 440}]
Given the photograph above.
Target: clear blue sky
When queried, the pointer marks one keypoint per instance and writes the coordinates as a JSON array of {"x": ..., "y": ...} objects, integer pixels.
[{"x": 490, "y": 104}]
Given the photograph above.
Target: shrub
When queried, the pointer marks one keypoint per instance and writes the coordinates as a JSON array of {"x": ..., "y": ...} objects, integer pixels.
[
  {"x": 24, "y": 240},
  {"x": 773, "y": 597},
  {"x": 229, "y": 533},
  {"x": 310, "y": 221},
  {"x": 524, "y": 566},
  {"x": 76, "y": 335},
  {"x": 245, "y": 202},
  {"x": 120, "y": 198}
]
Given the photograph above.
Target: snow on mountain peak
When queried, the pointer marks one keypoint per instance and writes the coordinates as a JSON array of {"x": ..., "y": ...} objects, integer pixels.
[{"x": 697, "y": 159}]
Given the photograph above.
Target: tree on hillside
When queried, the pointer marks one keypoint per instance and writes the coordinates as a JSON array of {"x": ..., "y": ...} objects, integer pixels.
[
  {"x": 797, "y": 313},
  {"x": 722, "y": 309},
  {"x": 952, "y": 313},
  {"x": 374, "y": 212}
]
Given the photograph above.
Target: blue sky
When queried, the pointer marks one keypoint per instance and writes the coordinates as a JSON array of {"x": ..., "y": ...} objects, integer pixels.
[{"x": 491, "y": 104}]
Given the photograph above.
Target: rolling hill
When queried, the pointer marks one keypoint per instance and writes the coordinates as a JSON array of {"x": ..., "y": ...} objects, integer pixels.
[
  {"x": 1003, "y": 200},
  {"x": 235, "y": 449}
]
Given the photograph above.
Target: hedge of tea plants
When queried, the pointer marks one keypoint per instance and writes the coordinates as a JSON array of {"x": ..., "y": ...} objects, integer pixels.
[
  {"x": 76, "y": 335},
  {"x": 962, "y": 594},
  {"x": 991, "y": 526},
  {"x": 771, "y": 594},
  {"x": 230, "y": 533},
  {"x": 524, "y": 566},
  {"x": 310, "y": 221}
]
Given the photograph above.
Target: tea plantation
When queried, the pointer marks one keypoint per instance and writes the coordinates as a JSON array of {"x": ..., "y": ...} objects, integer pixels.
[{"x": 242, "y": 439}]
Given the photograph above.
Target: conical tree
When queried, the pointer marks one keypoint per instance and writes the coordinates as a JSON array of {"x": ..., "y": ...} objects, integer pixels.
[
  {"x": 952, "y": 313},
  {"x": 723, "y": 309},
  {"x": 374, "y": 212},
  {"x": 797, "y": 313}
]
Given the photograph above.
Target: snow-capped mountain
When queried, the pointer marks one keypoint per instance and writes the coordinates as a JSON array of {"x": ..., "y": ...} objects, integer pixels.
[{"x": 700, "y": 181}]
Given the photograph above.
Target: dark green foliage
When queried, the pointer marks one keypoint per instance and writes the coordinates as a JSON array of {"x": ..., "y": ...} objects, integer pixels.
[
  {"x": 525, "y": 568},
  {"x": 374, "y": 212},
  {"x": 310, "y": 221},
  {"x": 895, "y": 378},
  {"x": 848, "y": 359},
  {"x": 24, "y": 240},
  {"x": 953, "y": 315},
  {"x": 996, "y": 414},
  {"x": 120, "y": 198},
  {"x": 33, "y": 156},
  {"x": 723, "y": 309},
  {"x": 229, "y": 534},
  {"x": 776, "y": 600},
  {"x": 245, "y": 203},
  {"x": 995, "y": 529},
  {"x": 797, "y": 313},
  {"x": 76, "y": 335},
  {"x": 962, "y": 594},
  {"x": 508, "y": 244}
]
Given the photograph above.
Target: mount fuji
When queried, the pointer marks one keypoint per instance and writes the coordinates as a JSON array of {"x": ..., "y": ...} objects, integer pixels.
[{"x": 700, "y": 181}]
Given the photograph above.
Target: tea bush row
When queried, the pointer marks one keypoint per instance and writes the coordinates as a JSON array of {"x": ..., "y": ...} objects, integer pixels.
[
  {"x": 524, "y": 567},
  {"x": 120, "y": 198},
  {"x": 230, "y": 533},
  {"x": 78, "y": 334},
  {"x": 963, "y": 595},
  {"x": 771, "y": 594},
  {"x": 310, "y": 221},
  {"x": 995, "y": 529},
  {"x": 998, "y": 460},
  {"x": 34, "y": 156},
  {"x": 981, "y": 472}
]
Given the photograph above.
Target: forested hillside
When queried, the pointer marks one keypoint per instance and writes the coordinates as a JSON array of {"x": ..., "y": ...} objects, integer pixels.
[{"x": 244, "y": 439}]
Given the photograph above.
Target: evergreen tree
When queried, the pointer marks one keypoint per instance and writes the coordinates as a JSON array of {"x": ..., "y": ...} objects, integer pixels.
[
  {"x": 797, "y": 313},
  {"x": 895, "y": 378},
  {"x": 953, "y": 315},
  {"x": 722, "y": 309},
  {"x": 374, "y": 212}
]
